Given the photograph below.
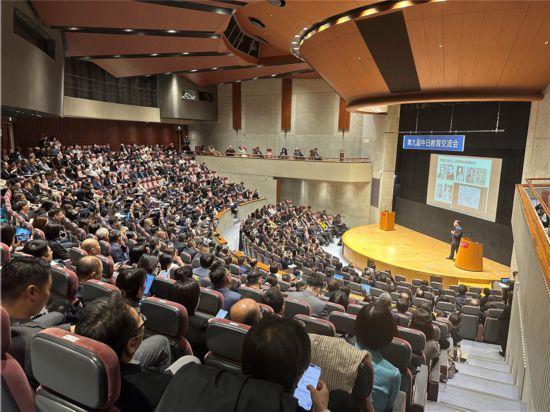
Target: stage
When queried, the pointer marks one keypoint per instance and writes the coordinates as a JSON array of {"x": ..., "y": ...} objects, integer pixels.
[{"x": 414, "y": 255}]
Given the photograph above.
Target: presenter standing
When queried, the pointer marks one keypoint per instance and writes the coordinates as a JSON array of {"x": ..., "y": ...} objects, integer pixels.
[{"x": 456, "y": 235}]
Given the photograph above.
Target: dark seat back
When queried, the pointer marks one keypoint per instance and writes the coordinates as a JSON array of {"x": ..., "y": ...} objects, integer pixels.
[
  {"x": 344, "y": 323},
  {"x": 160, "y": 287},
  {"x": 295, "y": 307},
  {"x": 167, "y": 318},
  {"x": 94, "y": 289},
  {"x": 251, "y": 293},
  {"x": 210, "y": 301},
  {"x": 224, "y": 339},
  {"x": 17, "y": 394},
  {"x": 316, "y": 325},
  {"x": 75, "y": 373}
]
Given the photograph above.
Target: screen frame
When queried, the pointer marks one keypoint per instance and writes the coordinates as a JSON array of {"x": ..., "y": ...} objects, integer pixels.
[{"x": 492, "y": 192}]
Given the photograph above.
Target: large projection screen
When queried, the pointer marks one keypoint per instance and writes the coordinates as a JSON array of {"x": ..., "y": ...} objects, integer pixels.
[{"x": 465, "y": 184}]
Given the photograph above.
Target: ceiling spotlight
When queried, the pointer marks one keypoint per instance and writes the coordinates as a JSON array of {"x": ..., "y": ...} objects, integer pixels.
[
  {"x": 128, "y": 30},
  {"x": 255, "y": 78},
  {"x": 168, "y": 73},
  {"x": 73, "y": 28},
  {"x": 153, "y": 54},
  {"x": 214, "y": 68},
  {"x": 116, "y": 56},
  {"x": 273, "y": 75},
  {"x": 193, "y": 71},
  {"x": 185, "y": 53},
  {"x": 547, "y": 42},
  {"x": 440, "y": 46},
  {"x": 171, "y": 31},
  {"x": 256, "y": 22},
  {"x": 277, "y": 3}
]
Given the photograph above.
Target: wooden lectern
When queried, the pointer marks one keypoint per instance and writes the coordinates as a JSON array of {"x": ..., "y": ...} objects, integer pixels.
[
  {"x": 387, "y": 220},
  {"x": 470, "y": 255}
]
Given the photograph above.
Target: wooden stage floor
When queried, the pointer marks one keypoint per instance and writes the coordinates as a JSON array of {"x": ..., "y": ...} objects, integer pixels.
[{"x": 414, "y": 255}]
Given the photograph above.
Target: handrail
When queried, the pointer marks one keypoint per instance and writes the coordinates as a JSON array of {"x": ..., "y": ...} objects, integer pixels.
[
  {"x": 540, "y": 239},
  {"x": 536, "y": 193},
  {"x": 291, "y": 158},
  {"x": 224, "y": 211}
]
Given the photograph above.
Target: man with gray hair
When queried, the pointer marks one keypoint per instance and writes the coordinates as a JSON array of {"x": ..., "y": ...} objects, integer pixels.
[{"x": 385, "y": 299}]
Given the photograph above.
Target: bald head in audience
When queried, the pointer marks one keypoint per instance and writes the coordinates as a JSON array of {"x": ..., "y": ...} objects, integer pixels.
[
  {"x": 91, "y": 246},
  {"x": 246, "y": 311},
  {"x": 88, "y": 267}
]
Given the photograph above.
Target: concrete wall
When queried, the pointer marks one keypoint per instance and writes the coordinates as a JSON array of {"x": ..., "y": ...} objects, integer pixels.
[
  {"x": 314, "y": 124},
  {"x": 95, "y": 109},
  {"x": 351, "y": 200},
  {"x": 314, "y": 120},
  {"x": 537, "y": 149},
  {"x": 31, "y": 79},
  {"x": 172, "y": 106}
]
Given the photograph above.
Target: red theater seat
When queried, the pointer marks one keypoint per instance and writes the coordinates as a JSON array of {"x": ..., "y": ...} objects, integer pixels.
[
  {"x": 210, "y": 301},
  {"x": 75, "y": 373},
  {"x": 169, "y": 319},
  {"x": 17, "y": 394},
  {"x": 94, "y": 289},
  {"x": 224, "y": 339},
  {"x": 316, "y": 325},
  {"x": 296, "y": 307}
]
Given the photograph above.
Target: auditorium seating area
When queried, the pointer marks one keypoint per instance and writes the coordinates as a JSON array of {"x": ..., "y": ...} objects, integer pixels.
[{"x": 122, "y": 211}]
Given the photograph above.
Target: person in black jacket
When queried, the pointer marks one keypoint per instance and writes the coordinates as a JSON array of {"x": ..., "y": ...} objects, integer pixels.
[
  {"x": 112, "y": 321},
  {"x": 456, "y": 235},
  {"x": 187, "y": 293},
  {"x": 52, "y": 233}
]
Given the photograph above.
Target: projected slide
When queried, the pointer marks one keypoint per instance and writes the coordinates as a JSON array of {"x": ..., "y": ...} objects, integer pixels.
[{"x": 466, "y": 184}]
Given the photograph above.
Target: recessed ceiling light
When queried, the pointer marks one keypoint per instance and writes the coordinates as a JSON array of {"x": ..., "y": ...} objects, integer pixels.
[
  {"x": 273, "y": 75},
  {"x": 168, "y": 73},
  {"x": 128, "y": 30},
  {"x": 185, "y": 53},
  {"x": 277, "y": 3},
  {"x": 214, "y": 68},
  {"x": 116, "y": 56},
  {"x": 171, "y": 31},
  {"x": 154, "y": 54},
  {"x": 255, "y": 78},
  {"x": 547, "y": 42},
  {"x": 440, "y": 46},
  {"x": 86, "y": 57},
  {"x": 256, "y": 22},
  {"x": 193, "y": 71},
  {"x": 73, "y": 28}
]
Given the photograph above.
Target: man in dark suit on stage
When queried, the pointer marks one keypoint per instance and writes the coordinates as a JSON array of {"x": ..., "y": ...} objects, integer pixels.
[{"x": 456, "y": 235}]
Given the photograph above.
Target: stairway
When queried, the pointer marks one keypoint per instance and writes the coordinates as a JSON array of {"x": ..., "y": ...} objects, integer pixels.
[{"x": 483, "y": 383}]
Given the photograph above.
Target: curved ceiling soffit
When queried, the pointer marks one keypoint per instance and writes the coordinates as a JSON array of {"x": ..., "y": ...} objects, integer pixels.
[{"x": 374, "y": 80}]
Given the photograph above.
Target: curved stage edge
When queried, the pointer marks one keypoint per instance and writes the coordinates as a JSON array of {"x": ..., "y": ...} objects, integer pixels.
[{"x": 414, "y": 255}]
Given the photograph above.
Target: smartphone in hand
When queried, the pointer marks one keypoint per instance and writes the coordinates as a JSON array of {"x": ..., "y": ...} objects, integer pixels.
[{"x": 310, "y": 377}]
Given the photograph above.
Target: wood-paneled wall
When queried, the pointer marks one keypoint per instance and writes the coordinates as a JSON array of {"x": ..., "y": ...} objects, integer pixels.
[
  {"x": 286, "y": 104},
  {"x": 237, "y": 108},
  {"x": 343, "y": 117},
  {"x": 28, "y": 130}
]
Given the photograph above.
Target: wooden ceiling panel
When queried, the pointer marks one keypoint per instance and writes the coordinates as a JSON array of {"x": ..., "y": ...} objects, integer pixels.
[
  {"x": 126, "y": 14},
  {"x": 216, "y": 77},
  {"x": 348, "y": 64},
  {"x": 529, "y": 47},
  {"x": 91, "y": 44},
  {"x": 140, "y": 67}
]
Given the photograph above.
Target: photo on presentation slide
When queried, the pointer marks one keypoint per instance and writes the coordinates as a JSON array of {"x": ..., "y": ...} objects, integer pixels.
[{"x": 465, "y": 184}]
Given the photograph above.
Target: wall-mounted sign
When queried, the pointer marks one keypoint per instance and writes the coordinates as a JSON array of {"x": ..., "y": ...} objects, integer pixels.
[{"x": 441, "y": 143}]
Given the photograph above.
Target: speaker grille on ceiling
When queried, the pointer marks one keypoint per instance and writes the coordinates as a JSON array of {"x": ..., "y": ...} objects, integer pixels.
[{"x": 240, "y": 40}]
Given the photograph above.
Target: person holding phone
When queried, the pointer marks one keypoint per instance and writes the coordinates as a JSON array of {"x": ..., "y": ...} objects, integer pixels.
[{"x": 286, "y": 362}]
